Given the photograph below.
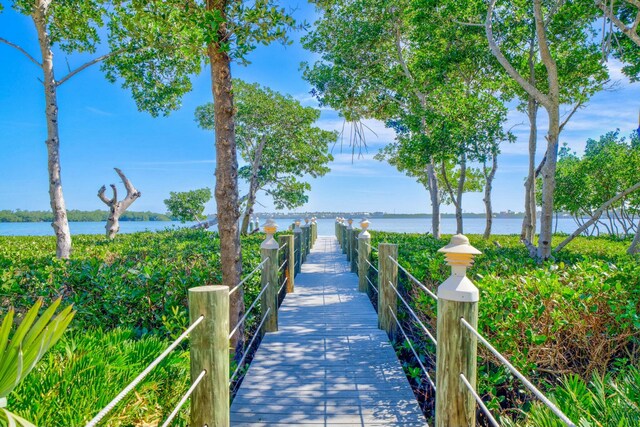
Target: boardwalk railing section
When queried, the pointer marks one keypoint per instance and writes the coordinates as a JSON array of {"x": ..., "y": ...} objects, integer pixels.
[
  {"x": 210, "y": 332},
  {"x": 453, "y": 381}
]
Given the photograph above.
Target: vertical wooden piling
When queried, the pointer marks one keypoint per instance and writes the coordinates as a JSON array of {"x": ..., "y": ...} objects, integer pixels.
[
  {"x": 288, "y": 272},
  {"x": 269, "y": 299},
  {"x": 456, "y": 352},
  {"x": 387, "y": 297},
  {"x": 305, "y": 241},
  {"x": 297, "y": 233},
  {"x": 353, "y": 248},
  {"x": 364, "y": 255},
  {"x": 209, "y": 351},
  {"x": 343, "y": 240}
]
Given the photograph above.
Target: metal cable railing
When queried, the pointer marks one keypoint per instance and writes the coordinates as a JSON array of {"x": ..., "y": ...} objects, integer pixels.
[
  {"x": 243, "y": 281},
  {"x": 184, "y": 398},
  {"x": 244, "y": 356},
  {"x": 142, "y": 375},
  {"x": 413, "y": 313},
  {"x": 282, "y": 286},
  {"x": 244, "y": 317},
  {"x": 371, "y": 284},
  {"x": 517, "y": 373},
  {"x": 282, "y": 265},
  {"x": 371, "y": 265},
  {"x": 416, "y": 281},
  {"x": 415, "y": 353},
  {"x": 283, "y": 246},
  {"x": 484, "y": 408}
]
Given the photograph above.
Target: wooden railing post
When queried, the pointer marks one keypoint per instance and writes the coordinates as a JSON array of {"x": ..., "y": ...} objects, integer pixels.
[
  {"x": 314, "y": 231},
  {"x": 343, "y": 235},
  {"x": 297, "y": 232},
  {"x": 305, "y": 239},
  {"x": 335, "y": 226},
  {"x": 456, "y": 352},
  {"x": 387, "y": 297},
  {"x": 288, "y": 272},
  {"x": 364, "y": 254},
  {"x": 307, "y": 222},
  {"x": 269, "y": 252},
  {"x": 209, "y": 351},
  {"x": 347, "y": 239},
  {"x": 353, "y": 249}
]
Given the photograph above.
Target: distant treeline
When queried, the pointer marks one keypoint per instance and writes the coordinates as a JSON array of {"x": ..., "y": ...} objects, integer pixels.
[{"x": 77, "y": 216}]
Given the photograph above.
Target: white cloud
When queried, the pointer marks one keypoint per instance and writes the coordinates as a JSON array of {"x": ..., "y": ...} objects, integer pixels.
[{"x": 99, "y": 111}]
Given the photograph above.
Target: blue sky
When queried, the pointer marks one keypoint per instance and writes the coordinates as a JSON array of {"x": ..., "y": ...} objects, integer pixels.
[{"x": 100, "y": 128}]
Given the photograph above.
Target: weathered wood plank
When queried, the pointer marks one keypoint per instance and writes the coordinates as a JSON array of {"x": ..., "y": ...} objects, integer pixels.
[{"x": 328, "y": 364}]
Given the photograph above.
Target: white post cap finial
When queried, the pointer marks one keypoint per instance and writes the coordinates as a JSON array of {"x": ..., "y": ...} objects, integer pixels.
[
  {"x": 270, "y": 227},
  {"x": 364, "y": 234},
  {"x": 459, "y": 255}
]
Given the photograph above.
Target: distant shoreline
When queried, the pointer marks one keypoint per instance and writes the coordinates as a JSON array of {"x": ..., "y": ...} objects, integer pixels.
[
  {"x": 20, "y": 216},
  {"x": 381, "y": 216}
]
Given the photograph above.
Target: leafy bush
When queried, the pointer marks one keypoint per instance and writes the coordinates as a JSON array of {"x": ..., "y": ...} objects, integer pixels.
[
  {"x": 138, "y": 281},
  {"x": 610, "y": 400},
  {"x": 78, "y": 377},
  {"x": 578, "y": 314}
]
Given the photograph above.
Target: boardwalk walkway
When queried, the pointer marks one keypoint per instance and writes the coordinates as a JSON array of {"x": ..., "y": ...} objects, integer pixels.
[{"x": 329, "y": 364}]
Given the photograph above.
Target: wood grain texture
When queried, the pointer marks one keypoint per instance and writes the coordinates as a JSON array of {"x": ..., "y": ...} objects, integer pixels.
[
  {"x": 289, "y": 268},
  {"x": 364, "y": 255},
  {"x": 209, "y": 351},
  {"x": 270, "y": 296},
  {"x": 388, "y": 299},
  {"x": 456, "y": 353}
]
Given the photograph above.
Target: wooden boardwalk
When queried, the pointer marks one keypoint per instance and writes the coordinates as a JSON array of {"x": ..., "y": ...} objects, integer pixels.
[{"x": 329, "y": 364}]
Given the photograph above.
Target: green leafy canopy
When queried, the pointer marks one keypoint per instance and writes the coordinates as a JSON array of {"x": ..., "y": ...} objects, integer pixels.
[
  {"x": 188, "y": 205},
  {"x": 278, "y": 141}
]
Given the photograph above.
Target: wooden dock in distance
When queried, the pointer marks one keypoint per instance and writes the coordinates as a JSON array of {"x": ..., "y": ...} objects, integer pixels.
[{"x": 328, "y": 364}]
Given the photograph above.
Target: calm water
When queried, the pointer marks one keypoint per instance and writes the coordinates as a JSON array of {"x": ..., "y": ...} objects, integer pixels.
[
  {"x": 448, "y": 225},
  {"x": 44, "y": 228},
  {"x": 325, "y": 226}
]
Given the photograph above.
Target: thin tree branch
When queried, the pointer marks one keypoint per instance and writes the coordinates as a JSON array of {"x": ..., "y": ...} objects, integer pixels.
[
  {"x": 19, "y": 48},
  {"x": 596, "y": 215},
  {"x": 545, "y": 52},
  {"x": 509, "y": 68},
  {"x": 448, "y": 184},
  {"x": 628, "y": 31},
  {"x": 467, "y": 24},
  {"x": 573, "y": 111},
  {"x": 540, "y": 166},
  {"x": 89, "y": 64},
  {"x": 103, "y": 197},
  {"x": 132, "y": 193}
]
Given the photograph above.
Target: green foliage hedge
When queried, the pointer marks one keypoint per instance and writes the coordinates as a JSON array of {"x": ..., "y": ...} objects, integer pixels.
[
  {"x": 131, "y": 297},
  {"x": 577, "y": 314},
  {"x": 138, "y": 281}
]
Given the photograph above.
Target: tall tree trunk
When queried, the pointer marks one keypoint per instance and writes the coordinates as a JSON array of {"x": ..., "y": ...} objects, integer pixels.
[
  {"x": 488, "y": 187},
  {"x": 251, "y": 201},
  {"x": 459, "y": 192},
  {"x": 552, "y": 105},
  {"x": 432, "y": 181},
  {"x": 529, "y": 221},
  {"x": 60, "y": 223},
  {"x": 226, "y": 190},
  {"x": 254, "y": 185},
  {"x": 635, "y": 245},
  {"x": 549, "y": 184}
]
